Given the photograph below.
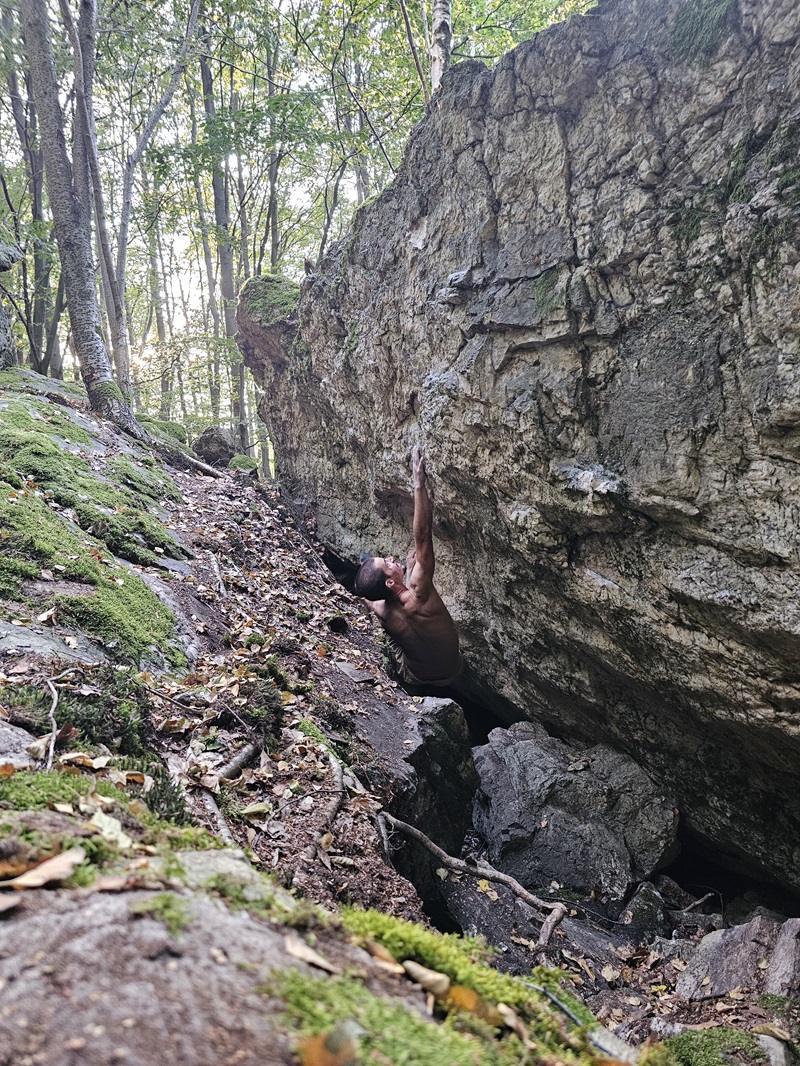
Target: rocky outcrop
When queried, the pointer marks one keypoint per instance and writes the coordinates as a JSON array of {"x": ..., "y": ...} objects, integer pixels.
[
  {"x": 580, "y": 296},
  {"x": 588, "y": 818},
  {"x": 216, "y": 445}
]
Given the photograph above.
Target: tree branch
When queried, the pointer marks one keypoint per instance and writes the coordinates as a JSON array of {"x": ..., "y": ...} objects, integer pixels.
[{"x": 557, "y": 910}]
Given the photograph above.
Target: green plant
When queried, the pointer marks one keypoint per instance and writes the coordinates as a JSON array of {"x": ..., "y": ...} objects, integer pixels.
[
  {"x": 700, "y": 28},
  {"x": 166, "y": 908}
]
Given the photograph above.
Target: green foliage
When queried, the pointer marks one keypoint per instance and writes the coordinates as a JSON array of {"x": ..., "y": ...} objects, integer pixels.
[
  {"x": 243, "y": 462},
  {"x": 715, "y": 1047},
  {"x": 700, "y": 28},
  {"x": 393, "y": 1034},
  {"x": 166, "y": 908}
]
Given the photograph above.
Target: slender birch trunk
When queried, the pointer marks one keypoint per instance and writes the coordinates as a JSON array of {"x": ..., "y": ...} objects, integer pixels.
[{"x": 441, "y": 41}]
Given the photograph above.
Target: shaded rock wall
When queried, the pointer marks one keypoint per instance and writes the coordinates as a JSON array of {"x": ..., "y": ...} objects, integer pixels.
[{"x": 580, "y": 295}]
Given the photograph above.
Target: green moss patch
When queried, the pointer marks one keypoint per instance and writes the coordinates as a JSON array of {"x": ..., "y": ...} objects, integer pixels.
[
  {"x": 142, "y": 480},
  {"x": 115, "y": 605},
  {"x": 716, "y": 1047},
  {"x": 243, "y": 462},
  {"x": 466, "y": 960},
  {"x": 31, "y": 790},
  {"x": 29, "y": 414},
  {"x": 166, "y": 908},
  {"x": 270, "y": 299},
  {"x": 160, "y": 427},
  {"x": 392, "y": 1033}
]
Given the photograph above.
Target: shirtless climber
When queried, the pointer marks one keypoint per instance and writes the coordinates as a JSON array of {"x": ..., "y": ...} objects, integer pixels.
[{"x": 420, "y": 631}]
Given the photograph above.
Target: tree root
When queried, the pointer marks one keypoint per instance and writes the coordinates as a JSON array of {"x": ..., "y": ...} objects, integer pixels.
[
  {"x": 223, "y": 829},
  {"x": 238, "y": 762},
  {"x": 333, "y": 808},
  {"x": 557, "y": 910}
]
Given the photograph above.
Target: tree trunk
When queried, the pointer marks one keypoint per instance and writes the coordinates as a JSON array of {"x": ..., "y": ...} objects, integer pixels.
[
  {"x": 84, "y": 48},
  {"x": 214, "y": 368},
  {"x": 441, "y": 39},
  {"x": 71, "y": 228},
  {"x": 24, "y": 114},
  {"x": 225, "y": 254}
]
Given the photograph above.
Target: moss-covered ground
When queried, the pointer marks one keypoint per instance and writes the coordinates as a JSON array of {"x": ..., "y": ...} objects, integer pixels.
[{"x": 66, "y": 511}]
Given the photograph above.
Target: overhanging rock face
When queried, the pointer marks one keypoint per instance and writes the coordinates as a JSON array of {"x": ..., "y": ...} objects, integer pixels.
[{"x": 580, "y": 295}]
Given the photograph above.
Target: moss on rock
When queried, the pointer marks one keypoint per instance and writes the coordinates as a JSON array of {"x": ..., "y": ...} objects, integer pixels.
[
  {"x": 270, "y": 299},
  {"x": 114, "y": 605},
  {"x": 716, "y": 1047},
  {"x": 700, "y": 28}
]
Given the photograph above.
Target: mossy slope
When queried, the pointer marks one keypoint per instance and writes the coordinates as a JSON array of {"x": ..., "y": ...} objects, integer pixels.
[{"x": 67, "y": 508}]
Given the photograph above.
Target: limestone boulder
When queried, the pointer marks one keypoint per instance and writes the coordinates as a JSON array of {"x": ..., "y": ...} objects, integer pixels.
[
  {"x": 216, "y": 445},
  {"x": 579, "y": 295},
  {"x": 589, "y": 819}
]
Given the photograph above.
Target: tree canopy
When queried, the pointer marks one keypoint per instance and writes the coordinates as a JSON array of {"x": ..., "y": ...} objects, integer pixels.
[{"x": 203, "y": 142}]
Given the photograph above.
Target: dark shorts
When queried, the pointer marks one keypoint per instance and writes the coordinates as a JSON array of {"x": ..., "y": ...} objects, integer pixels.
[{"x": 407, "y": 675}]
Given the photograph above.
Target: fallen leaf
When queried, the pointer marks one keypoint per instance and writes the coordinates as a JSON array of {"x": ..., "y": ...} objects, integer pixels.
[
  {"x": 609, "y": 973},
  {"x": 110, "y": 829},
  {"x": 7, "y": 902},
  {"x": 383, "y": 957},
  {"x": 431, "y": 980},
  {"x": 467, "y": 999},
  {"x": 7, "y": 769},
  {"x": 47, "y": 616},
  {"x": 57, "y": 869},
  {"x": 114, "y": 883},
  {"x": 298, "y": 949},
  {"x": 338, "y": 1047},
  {"x": 769, "y": 1029}
]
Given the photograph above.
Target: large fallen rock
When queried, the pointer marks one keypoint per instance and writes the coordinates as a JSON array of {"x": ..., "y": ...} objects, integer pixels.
[
  {"x": 216, "y": 445},
  {"x": 579, "y": 294},
  {"x": 589, "y": 818},
  {"x": 764, "y": 955}
]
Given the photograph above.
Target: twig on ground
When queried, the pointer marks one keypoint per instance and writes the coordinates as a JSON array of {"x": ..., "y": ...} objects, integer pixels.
[
  {"x": 333, "y": 808},
  {"x": 181, "y": 459},
  {"x": 53, "y": 705},
  {"x": 700, "y": 902},
  {"x": 558, "y": 910},
  {"x": 221, "y": 590},
  {"x": 53, "y": 723},
  {"x": 223, "y": 829},
  {"x": 238, "y": 762}
]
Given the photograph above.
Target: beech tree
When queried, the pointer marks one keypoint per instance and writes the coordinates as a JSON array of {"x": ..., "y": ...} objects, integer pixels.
[
  {"x": 72, "y": 228},
  {"x": 202, "y": 157}
]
